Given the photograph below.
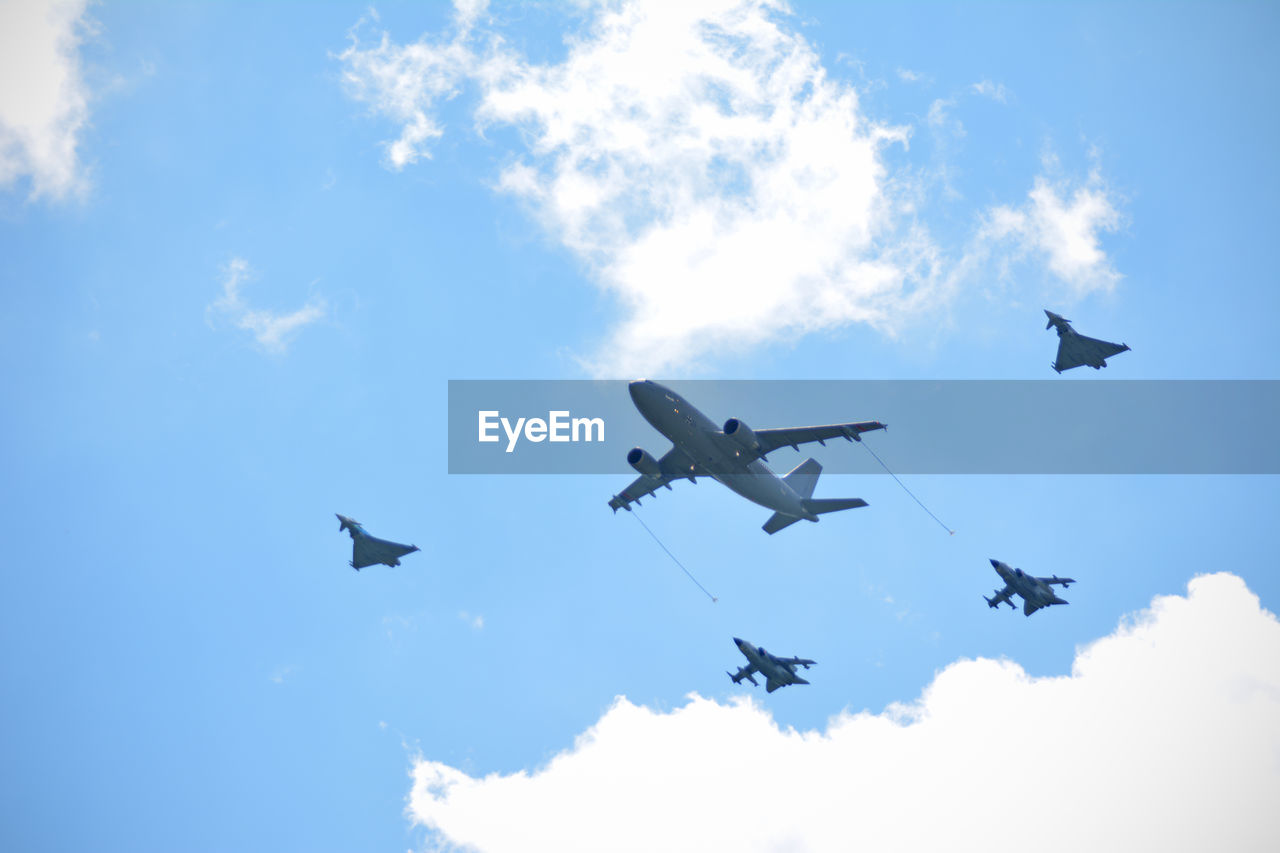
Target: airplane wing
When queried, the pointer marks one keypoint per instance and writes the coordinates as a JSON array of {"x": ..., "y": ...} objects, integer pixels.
[
  {"x": 1001, "y": 597},
  {"x": 1055, "y": 579},
  {"x": 371, "y": 551},
  {"x": 1076, "y": 350},
  {"x": 1104, "y": 349},
  {"x": 804, "y": 662},
  {"x": 771, "y": 439},
  {"x": 743, "y": 672},
  {"x": 1068, "y": 355},
  {"x": 675, "y": 465}
]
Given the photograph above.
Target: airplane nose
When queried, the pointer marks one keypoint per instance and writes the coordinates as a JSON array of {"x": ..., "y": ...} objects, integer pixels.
[
  {"x": 737, "y": 642},
  {"x": 641, "y": 389},
  {"x": 994, "y": 562}
]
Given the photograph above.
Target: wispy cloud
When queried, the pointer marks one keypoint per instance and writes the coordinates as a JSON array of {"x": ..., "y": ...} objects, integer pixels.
[
  {"x": 405, "y": 82},
  {"x": 281, "y": 673},
  {"x": 44, "y": 102},
  {"x": 1061, "y": 223},
  {"x": 988, "y": 89},
  {"x": 700, "y": 161},
  {"x": 273, "y": 332},
  {"x": 939, "y": 115},
  {"x": 1165, "y": 736},
  {"x": 475, "y": 621},
  {"x": 940, "y": 110}
]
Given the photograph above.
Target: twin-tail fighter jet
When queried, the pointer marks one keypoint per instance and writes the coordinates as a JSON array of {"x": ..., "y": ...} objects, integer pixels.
[
  {"x": 1074, "y": 349},
  {"x": 369, "y": 550},
  {"x": 734, "y": 456},
  {"x": 1035, "y": 592},
  {"x": 778, "y": 672}
]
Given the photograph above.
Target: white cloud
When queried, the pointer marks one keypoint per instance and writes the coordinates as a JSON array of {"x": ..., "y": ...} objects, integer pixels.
[
  {"x": 994, "y": 91},
  {"x": 1166, "y": 736},
  {"x": 700, "y": 162},
  {"x": 273, "y": 332},
  {"x": 938, "y": 111},
  {"x": 281, "y": 673},
  {"x": 939, "y": 117},
  {"x": 404, "y": 83},
  {"x": 713, "y": 178},
  {"x": 476, "y": 621},
  {"x": 704, "y": 167},
  {"x": 1062, "y": 224},
  {"x": 44, "y": 103}
]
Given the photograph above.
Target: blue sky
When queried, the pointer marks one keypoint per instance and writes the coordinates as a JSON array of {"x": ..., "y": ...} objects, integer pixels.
[{"x": 244, "y": 248}]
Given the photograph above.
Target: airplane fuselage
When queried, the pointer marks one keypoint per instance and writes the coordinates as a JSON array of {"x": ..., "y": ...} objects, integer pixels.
[
  {"x": 1028, "y": 588},
  {"x": 700, "y": 438},
  {"x": 773, "y": 670}
]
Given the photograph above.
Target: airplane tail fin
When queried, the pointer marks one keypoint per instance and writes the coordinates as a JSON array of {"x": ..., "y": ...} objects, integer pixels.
[{"x": 804, "y": 477}]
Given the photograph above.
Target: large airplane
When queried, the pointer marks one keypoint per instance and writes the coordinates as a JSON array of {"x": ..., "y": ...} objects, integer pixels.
[
  {"x": 1074, "y": 349},
  {"x": 734, "y": 456},
  {"x": 369, "y": 550},
  {"x": 778, "y": 672},
  {"x": 1035, "y": 592}
]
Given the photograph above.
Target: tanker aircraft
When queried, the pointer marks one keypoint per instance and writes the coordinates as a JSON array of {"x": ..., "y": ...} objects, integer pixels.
[
  {"x": 734, "y": 456},
  {"x": 1035, "y": 592},
  {"x": 778, "y": 672},
  {"x": 369, "y": 550}
]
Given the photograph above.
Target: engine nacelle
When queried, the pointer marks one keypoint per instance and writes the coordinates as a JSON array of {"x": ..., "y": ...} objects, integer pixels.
[
  {"x": 742, "y": 435},
  {"x": 643, "y": 461}
]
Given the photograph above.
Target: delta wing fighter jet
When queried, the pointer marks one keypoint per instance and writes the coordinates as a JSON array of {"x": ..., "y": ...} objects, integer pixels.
[
  {"x": 734, "y": 456},
  {"x": 1035, "y": 592},
  {"x": 778, "y": 672},
  {"x": 1074, "y": 349},
  {"x": 369, "y": 550}
]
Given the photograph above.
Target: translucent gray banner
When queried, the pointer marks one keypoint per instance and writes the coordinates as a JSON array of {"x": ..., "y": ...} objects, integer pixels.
[{"x": 944, "y": 427}]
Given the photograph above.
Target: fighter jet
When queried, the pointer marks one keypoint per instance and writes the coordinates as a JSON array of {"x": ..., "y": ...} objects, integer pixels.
[
  {"x": 778, "y": 672},
  {"x": 369, "y": 550},
  {"x": 733, "y": 456},
  {"x": 1035, "y": 592},
  {"x": 1074, "y": 349}
]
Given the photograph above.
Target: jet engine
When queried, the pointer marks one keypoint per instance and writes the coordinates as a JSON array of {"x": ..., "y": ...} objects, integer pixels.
[
  {"x": 643, "y": 461},
  {"x": 742, "y": 435}
]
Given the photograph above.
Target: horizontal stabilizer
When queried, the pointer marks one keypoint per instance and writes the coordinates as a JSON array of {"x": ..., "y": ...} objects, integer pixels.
[
  {"x": 819, "y": 506},
  {"x": 778, "y": 521}
]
